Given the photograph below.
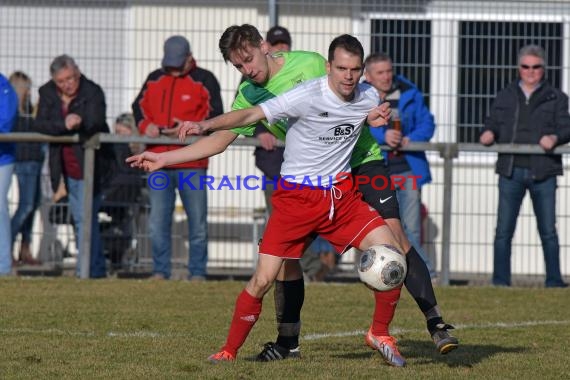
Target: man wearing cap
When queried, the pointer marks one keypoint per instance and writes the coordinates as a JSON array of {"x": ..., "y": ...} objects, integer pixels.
[
  {"x": 279, "y": 39},
  {"x": 178, "y": 91}
]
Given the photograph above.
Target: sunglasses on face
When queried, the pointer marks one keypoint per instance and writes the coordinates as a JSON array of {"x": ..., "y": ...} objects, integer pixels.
[{"x": 534, "y": 67}]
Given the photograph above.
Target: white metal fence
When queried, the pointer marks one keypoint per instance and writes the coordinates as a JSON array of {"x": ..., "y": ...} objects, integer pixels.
[{"x": 460, "y": 53}]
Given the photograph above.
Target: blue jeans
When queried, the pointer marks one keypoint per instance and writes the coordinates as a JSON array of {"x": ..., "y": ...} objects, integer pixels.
[
  {"x": 543, "y": 195},
  {"x": 97, "y": 266},
  {"x": 195, "y": 204},
  {"x": 29, "y": 176},
  {"x": 5, "y": 241},
  {"x": 410, "y": 215}
]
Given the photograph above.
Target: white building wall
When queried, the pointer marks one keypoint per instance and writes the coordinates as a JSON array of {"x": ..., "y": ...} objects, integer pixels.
[{"x": 117, "y": 47}]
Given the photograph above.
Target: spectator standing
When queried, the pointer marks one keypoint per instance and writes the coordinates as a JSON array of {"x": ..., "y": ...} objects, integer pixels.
[
  {"x": 71, "y": 104},
  {"x": 28, "y": 169},
  {"x": 416, "y": 123},
  {"x": 178, "y": 91},
  {"x": 8, "y": 114},
  {"x": 528, "y": 111}
]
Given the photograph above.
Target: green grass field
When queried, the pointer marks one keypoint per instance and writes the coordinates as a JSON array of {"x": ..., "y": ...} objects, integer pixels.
[{"x": 131, "y": 329}]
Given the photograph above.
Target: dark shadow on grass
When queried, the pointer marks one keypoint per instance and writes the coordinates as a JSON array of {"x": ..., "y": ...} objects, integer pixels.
[{"x": 423, "y": 352}]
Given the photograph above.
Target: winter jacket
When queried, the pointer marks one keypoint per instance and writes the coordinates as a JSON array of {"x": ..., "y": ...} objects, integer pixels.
[
  {"x": 164, "y": 98},
  {"x": 548, "y": 115},
  {"x": 28, "y": 151},
  {"x": 90, "y": 105},
  {"x": 417, "y": 124},
  {"x": 8, "y": 114}
]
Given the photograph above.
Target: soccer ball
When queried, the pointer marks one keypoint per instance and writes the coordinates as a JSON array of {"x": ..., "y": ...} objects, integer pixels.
[{"x": 382, "y": 267}]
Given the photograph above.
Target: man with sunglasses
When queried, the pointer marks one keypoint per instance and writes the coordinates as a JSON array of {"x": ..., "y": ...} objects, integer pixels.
[{"x": 528, "y": 111}]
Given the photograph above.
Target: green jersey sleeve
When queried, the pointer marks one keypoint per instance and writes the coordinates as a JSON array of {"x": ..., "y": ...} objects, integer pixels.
[{"x": 366, "y": 149}]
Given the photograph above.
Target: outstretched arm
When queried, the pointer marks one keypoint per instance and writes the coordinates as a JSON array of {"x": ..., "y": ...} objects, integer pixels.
[
  {"x": 226, "y": 121},
  {"x": 205, "y": 147}
]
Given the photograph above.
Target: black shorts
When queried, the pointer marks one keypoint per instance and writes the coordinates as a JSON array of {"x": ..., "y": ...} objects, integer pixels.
[{"x": 379, "y": 191}]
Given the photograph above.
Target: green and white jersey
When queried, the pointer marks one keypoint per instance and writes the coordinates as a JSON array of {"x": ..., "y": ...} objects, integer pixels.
[{"x": 298, "y": 67}]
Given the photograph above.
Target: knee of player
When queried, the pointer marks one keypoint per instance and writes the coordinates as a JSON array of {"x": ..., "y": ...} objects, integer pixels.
[
  {"x": 381, "y": 235},
  {"x": 259, "y": 285}
]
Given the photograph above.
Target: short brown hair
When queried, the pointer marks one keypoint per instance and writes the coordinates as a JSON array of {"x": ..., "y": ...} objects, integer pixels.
[
  {"x": 348, "y": 43},
  {"x": 237, "y": 38}
]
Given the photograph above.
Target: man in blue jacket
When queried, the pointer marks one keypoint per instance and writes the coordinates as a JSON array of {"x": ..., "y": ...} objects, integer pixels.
[
  {"x": 410, "y": 170},
  {"x": 8, "y": 114}
]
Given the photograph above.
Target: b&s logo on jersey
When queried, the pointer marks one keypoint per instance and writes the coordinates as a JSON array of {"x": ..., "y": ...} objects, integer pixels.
[
  {"x": 343, "y": 129},
  {"x": 337, "y": 133}
]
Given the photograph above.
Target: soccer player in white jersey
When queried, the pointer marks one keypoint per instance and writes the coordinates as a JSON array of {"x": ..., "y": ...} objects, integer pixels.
[{"x": 338, "y": 213}]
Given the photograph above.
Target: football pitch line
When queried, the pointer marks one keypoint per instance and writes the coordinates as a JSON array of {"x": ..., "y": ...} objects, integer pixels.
[
  {"x": 396, "y": 330},
  {"x": 340, "y": 334}
]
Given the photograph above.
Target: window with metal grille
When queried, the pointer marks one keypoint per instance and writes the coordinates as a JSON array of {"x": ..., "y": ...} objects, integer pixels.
[
  {"x": 488, "y": 63},
  {"x": 408, "y": 43}
]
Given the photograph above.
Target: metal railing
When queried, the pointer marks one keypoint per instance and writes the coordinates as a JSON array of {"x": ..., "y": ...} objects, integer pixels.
[{"x": 448, "y": 152}]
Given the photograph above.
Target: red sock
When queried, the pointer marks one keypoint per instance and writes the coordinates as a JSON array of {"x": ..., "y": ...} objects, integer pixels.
[
  {"x": 246, "y": 313},
  {"x": 384, "y": 310}
]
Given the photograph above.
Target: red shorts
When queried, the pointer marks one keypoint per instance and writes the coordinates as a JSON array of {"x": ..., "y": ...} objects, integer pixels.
[{"x": 299, "y": 212}]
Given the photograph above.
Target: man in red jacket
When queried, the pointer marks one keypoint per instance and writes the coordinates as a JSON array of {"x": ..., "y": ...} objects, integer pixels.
[{"x": 179, "y": 91}]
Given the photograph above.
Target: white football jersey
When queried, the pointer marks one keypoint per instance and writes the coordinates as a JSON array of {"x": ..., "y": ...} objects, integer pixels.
[{"x": 322, "y": 129}]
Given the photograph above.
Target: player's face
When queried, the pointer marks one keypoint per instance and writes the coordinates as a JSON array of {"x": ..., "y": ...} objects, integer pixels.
[
  {"x": 344, "y": 72},
  {"x": 380, "y": 75},
  {"x": 531, "y": 70},
  {"x": 252, "y": 62}
]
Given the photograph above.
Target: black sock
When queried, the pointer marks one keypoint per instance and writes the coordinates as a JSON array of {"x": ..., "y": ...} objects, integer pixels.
[
  {"x": 432, "y": 324},
  {"x": 289, "y": 298},
  {"x": 418, "y": 283}
]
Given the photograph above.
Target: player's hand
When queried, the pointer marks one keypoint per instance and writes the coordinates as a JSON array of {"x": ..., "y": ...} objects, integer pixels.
[
  {"x": 267, "y": 140},
  {"x": 548, "y": 142},
  {"x": 393, "y": 138},
  {"x": 189, "y": 128},
  {"x": 147, "y": 161},
  {"x": 379, "y": 115},
  {"x": 487, "y": 138}
]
